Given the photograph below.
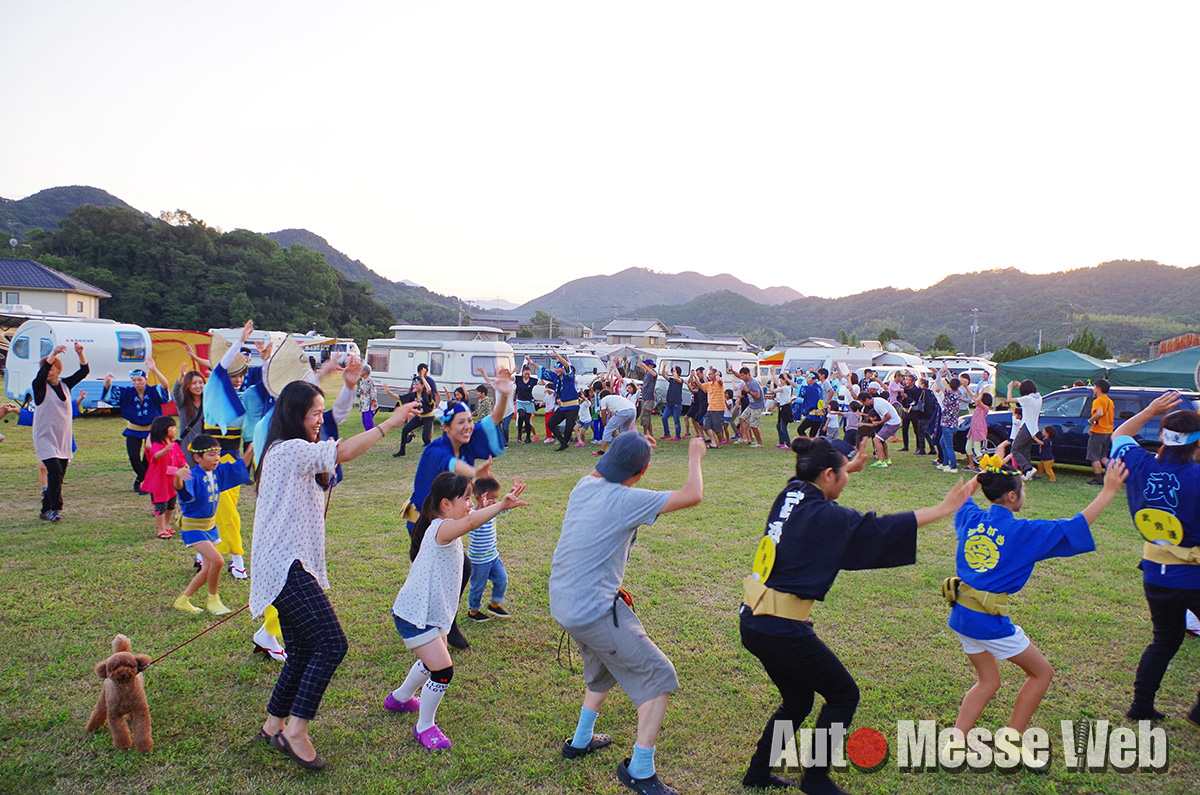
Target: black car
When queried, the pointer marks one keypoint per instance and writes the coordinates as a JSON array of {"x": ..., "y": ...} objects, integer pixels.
[{"x": 1068, "y": 410}]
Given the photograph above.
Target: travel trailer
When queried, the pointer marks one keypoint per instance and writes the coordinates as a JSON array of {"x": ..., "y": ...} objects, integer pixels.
[
  {"x": 687, "y": 354},
  {"x": 588, "y": 365},
  {"x": 110, "y": 347},
  {"x": 454, "y": 354}
]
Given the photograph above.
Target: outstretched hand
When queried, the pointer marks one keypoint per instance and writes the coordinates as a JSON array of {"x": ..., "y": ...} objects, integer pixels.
[
  {"x": 503, "y": 383},
  {"x": 353, "y": 371},
  {"x": 1115, "y": 475},
  {"x": 959, "y": 493},
  {"x": 247, "y": 330},
  {"x": 513, "y": 498}
]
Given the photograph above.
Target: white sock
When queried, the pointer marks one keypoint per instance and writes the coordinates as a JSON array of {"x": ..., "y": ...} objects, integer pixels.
[
  {"x": 431, "y": 696},
  {"x": 417, "y": 676},
  {"x": 238, "y": 563},
  {"x": 199, "y": 558},
  {"x": 267, "y": 640}
]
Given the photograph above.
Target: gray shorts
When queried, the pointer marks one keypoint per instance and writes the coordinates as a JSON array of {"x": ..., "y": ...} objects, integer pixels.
[
  {"x": 618, "y": 423},
  {"x": 623, "y": 654},
  {"x": 1099, "y": 445},
  {"x": 714, "y": 421},
  {"x": 646, "y": 416}
]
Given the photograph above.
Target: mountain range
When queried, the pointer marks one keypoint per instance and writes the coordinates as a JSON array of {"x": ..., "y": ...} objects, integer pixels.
[{"x": 1128, "y": 303}]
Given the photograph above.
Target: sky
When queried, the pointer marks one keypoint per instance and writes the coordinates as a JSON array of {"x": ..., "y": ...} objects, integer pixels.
[{"x": 497, "y": 150}]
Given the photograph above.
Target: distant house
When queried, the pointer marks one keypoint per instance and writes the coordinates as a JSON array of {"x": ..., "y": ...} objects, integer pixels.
[
  {"x": 900, "y": 346},
  {"x": 817, "y": 342},
  {"x": 26, "y": 284},
  {"x": 1174, "y": 344},
  {"x": 691, "y": 333},
  {"x": 570, "y": 328},
  {"x": 638, "y": 332},
  {"x": 506, "y": 324}
]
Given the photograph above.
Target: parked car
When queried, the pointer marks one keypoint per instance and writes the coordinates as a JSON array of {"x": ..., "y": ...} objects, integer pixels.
[{"x": 1068, "y": 410}]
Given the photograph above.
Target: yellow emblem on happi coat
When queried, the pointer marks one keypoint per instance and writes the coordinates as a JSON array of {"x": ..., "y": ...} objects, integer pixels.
[{"x": 982, "y": 548}]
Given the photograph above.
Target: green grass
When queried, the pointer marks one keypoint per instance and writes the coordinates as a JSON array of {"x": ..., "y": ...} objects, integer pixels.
[{"x": 66, "y": 589}]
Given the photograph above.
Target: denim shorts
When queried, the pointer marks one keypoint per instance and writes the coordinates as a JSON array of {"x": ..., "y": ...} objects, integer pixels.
[{"x": 414, "y": 636}]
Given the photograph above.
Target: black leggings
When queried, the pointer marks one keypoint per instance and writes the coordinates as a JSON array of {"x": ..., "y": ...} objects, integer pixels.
[
  {"x": 315, "y": 646},
  {"x": 424, "y": 423},
  {"x": 56, "y": 470},
  {"x": 1168, "y": 608},
  {"x": 524, "y": 424},
  {"x": 133, "y": 449},
  {"x": 812, "y": 426},
  {"x": 563, "y": 417},
  {"x": 801, "y": 667}
]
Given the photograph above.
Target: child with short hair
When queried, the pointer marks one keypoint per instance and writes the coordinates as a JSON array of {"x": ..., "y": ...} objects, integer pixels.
[
  {"x": 585, "y": 417},
  {"x": 995, "y": 558},
  {"x": 199, "y": 490},
  {"x": 833, "y": 420},
  {"x": 425, "y": 606},
  {"x": 729, "y": 417},
  {"x": 977, "y": 432},
  {"x": 485, "y": 557},
  {"x": 163, "y": 460},
  {"x": 549, "y": 399},
  {"x": 852, "y": 419},
  {"x": 1045, "y": 443}
]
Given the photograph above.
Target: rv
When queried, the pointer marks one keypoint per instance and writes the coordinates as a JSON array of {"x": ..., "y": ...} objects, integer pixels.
[
  {"x": 110, "y": 347},
  {"x": 454, "y": 354},
  {"x": 589, "y": 367},
  {"x": 687, "y": 354}
]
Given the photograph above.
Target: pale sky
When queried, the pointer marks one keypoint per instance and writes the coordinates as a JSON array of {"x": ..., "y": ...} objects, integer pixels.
[{"x": 499, "y": 149}]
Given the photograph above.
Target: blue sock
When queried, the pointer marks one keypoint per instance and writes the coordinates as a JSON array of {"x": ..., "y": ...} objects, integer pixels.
[
  {"x": 642, "y": 763},
  {"x": 583, "y": 732}
]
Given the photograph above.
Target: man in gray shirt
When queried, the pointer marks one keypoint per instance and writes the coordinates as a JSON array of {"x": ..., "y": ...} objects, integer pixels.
[
  {"x": 601, "y": 521},
  {"x": 753, "y": 414},
  {"x": 649, "y": 399}
]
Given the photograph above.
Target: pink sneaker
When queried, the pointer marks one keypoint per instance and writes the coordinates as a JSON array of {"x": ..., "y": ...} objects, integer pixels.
[
  {"x": 678, "y": 438},
  {"x": 432, "y": 738},
  {"x": 392, "y": 705},
  {"x": 579, "y": 444}
]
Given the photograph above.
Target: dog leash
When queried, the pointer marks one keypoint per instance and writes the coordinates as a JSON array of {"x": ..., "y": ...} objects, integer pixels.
[{"x": 189, "y": 640}]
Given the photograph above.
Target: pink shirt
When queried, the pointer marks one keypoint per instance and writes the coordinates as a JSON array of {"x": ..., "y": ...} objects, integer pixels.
[{"x": 978, "y": 430}]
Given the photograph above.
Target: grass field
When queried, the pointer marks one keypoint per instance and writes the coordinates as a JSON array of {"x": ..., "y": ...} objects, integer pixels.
[{"x": 67, "y": 588}]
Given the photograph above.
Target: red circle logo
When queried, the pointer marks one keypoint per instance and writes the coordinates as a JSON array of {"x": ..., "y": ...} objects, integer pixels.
[{"x": 867, "y": 749}]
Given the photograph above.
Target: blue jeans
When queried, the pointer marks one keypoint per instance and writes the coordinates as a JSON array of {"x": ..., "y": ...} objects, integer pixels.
[
  {"x": 946, "y": 444},
  {"x": 671, "y": 410},
  {"x": 480, "y": 574}
]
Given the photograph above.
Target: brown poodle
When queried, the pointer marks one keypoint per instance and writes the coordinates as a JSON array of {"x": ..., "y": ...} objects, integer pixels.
[{"x": 123, "y": 694}]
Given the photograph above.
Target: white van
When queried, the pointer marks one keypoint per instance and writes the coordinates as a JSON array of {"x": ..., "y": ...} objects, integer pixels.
[
  {"x": 722, "y": 356},
  {"x": 588, "y": 366},
  {"x": 110, "y": 347},
  {"x": 454, "y": 354}
]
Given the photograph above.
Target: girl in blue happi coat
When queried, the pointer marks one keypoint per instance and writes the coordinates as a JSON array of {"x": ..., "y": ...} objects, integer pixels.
[{"x": 995, "y": 558}]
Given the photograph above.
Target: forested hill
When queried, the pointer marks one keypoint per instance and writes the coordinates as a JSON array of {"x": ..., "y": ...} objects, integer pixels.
[
  {"x": 45, "y": 209},
  {"x": 177, "y": 272},
  {"x": 1127, "y": 303},
  {"x": 588, "y": 298},
  {"x": 409, "y": 303}
]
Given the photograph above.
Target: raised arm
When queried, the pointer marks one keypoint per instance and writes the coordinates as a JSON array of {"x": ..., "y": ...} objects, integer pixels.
[
  {"x": 504, "y": 386},
  {"x": 692, "y": 492},
  {"x": 953, "y": 500},
  {"x": 457, "y": 528},
  {"x": 352, "y": 448}
]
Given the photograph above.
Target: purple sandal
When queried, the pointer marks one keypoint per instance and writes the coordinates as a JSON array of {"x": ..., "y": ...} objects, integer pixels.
[{"x": 432, "y": 738}]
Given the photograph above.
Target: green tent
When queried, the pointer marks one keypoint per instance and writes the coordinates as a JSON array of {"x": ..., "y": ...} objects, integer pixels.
[
  {"x": 1174, "y": 371},
  {"x": 1051, "y": 371}
]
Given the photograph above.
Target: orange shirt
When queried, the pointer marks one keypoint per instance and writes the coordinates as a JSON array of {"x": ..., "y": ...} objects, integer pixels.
[
  {"x": 1105, "y": 423},
  {"x": 716, "y": 395}
]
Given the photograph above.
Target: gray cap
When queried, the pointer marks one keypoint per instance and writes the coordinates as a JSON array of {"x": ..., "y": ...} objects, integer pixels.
[{"x": 626, "y": 456}]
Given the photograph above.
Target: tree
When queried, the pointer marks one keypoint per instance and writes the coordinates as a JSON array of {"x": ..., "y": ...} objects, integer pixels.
[
  {"x": 887, "y": 335},
  {"x": 1086, "y": 343},
  {"x": 942, "y": 343},
  {"x": 1014, "y": 351},
  {"x": 764, "y": 337},
  {"x": 542, "y": 325}
]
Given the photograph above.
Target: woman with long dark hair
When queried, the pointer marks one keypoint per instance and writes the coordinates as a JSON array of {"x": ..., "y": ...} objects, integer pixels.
[
  {"x": 1163, "y": 490},
  {"x": 293, "y": 475},
  {"x": 812, "y": 538}
]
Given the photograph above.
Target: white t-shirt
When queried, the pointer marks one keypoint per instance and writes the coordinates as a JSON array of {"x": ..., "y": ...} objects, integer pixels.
[
  {"x": 615, "y": 403},
  {"x": 1031, "y": 410},
  {"x": 886, "y": 411},
  {"x": 429, "y": 596},
  {"x": 289, "y": 517}
]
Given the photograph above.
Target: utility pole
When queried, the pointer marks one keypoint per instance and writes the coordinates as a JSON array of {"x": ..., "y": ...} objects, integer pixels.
[
  {"x": 1070, "y": 324},
  {"x": 974, "y": 328}
]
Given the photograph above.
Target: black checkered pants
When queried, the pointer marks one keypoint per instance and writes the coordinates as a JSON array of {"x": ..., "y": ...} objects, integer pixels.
[{"x": 315, "y": 646}]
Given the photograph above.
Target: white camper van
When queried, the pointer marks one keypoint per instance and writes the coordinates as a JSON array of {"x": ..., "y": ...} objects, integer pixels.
[
  {"x": 588, "y": 366},
  {"x": 110, "y": 347},
  {"x": 454, "y": 355},
  {"x": 700, "y": 353}
]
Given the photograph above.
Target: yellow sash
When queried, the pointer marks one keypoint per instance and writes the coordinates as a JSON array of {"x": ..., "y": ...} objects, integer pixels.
[
  {"x": 1171, "y": 555},
  {"x": 140, "y": 428},
  {"x": 764, "y": 601},
  {"x": 189, "y": 523},
  {"x": 956, "y": 591}
]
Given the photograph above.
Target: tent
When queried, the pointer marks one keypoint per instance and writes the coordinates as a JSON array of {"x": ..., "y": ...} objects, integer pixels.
[
  {"x": 1174, "y": 371},
  {"x": 1051, "y": 371}
]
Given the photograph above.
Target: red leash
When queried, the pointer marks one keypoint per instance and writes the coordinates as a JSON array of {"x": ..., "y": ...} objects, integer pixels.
[{"x": 189, "y": 640}]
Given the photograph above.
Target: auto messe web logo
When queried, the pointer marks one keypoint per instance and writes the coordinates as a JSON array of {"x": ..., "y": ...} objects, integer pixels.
[{"x": 1082, "y": 745}]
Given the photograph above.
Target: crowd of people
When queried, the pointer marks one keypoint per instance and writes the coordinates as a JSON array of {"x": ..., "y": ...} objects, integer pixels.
[{"x": 231, "y": 431}]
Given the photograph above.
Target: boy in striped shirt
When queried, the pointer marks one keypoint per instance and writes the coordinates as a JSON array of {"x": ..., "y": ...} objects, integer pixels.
[{"x": 485, "y": 559}]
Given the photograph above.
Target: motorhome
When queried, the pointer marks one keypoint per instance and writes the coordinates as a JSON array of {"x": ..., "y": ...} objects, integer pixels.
[
  {"x": 588, "y": 366},
  {"x": 455, "y": 355},
  {"x": 687, "y": 354},
  {"x": 110, "y": 347}
]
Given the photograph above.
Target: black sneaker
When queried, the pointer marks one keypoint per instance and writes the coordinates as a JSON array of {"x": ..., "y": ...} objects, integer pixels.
[
  {"x": 597, "y": 742},
  {"x": 478, "y": 616},
  {"x": 643, "y": 786},
  {"x": 1096, "y": 482},
  {"x": 766, "y": 781},
  {"x": 498, "y": 611},
  {"x": 456, "y": 639}
]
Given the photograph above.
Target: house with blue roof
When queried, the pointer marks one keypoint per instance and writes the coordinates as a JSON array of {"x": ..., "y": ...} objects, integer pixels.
[{"x": 27, "y": 285}]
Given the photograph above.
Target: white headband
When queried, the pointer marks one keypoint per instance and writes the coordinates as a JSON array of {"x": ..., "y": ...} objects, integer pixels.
[{"x": 1178, "y": 438}]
